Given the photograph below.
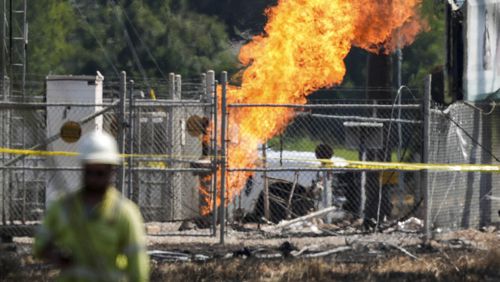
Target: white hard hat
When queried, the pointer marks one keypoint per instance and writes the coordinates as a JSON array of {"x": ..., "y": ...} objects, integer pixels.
[{"x": 99, "y": 148}]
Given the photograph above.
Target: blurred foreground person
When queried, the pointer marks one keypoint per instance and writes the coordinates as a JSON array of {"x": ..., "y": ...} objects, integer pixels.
[{"x": 95, "y": 234}]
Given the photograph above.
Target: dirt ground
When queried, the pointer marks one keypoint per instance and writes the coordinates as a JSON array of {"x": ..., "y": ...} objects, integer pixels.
[{"x": 468, "y": 255}]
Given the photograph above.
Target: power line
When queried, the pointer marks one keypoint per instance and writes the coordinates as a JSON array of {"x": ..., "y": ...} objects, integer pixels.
[
  {"x": 135, "y": 56},
  {"x": 136, "y": 33},
  {"x": 130, "y": 44},
  {"x": 108, "y": 58}
]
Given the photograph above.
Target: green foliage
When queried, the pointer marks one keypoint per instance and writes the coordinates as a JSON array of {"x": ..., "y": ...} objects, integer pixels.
[
  {"x": 51, "y": 25},
  {"x": 240, "y": 16},
  {"x": 428, "y": 51},
  {"x": 69, "y": 37},
  {"x": 182, "y": 36}
]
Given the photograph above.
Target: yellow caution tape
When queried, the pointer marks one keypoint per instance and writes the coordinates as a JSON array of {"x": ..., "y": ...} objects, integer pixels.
[
  {"x": 344, "y": 164},
  {"x": 419, "y": 167},
  {"x": 161, "y": 165},
  {"x": 37, "y": 153}
]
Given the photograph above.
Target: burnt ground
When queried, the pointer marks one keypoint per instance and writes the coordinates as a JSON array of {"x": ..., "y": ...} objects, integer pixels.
[{"x": 469, "y": 255}]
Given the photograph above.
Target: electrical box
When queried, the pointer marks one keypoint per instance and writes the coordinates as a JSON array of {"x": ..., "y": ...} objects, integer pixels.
[
  {"x": 367, "y": 134},
  {"x": 70, "y": 90}
]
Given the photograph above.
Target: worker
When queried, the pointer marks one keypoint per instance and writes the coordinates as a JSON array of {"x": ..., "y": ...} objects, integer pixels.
[{"x": 95, "y": 234}]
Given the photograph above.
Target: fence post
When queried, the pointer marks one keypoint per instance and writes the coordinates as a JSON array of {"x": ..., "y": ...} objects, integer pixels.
[
  {"x": 130, "y": 138},
  {"x": 267, "y": 211},
  {"x": 5, "y": 114},
  {"x": 177, "y": 149},
  {"x": 223, "y": 160},
  {"x": 212, "y": 94},
  {"x": 206, "y": 94},
  {"x": 425, "y": 156},
  {"x": 166, "y": 193},
  {"x": 327, "y": 195},
  {"x": 122, "y": 123}
]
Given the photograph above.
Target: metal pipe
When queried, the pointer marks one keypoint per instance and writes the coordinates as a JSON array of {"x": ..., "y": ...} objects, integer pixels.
[
  {"x": 23, "y": 94},
  {"x": 138, "y": 142},
  {"x": 212, "y": 89},
  {"x": 425, "y": 156},
  {"x": 23, "y": 174},
  {"x": 362, "y": 204},
  {"x": 178, "y": 88},
  {"x": 130, "y": 138},
  {"x": 142, "y": 104},
  {"x": 302, "y": 169},
  {"x": 223, "y": 160},
  {"x": 401, "y": 175},
  {"x": 122, "y": 129},
  {"x": 138, "y": 158},
  {"x": 5, "y": 90},
  {"x": 178, "y": 148},
  {"x": 206, "y": 170},
  {"x": 327, "y": 195},
  {"x": 330, "y": 106},
  {"x": 43, "y": 106},
  {"x": 179, "y": 170},
  {"x": 171, "y": 104},
  {"x": 142, "y": 169},
  {"x": 5, "y": 157},
  {"x": 358, "y": 118},
  {"x": 170, "y": 149},
  {"x": 206, "y": 93},
  {"x": 267, "y": 212}
]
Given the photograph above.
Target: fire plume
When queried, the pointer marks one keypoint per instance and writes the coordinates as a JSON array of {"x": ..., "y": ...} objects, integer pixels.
[{"x": 303, "y": 50}]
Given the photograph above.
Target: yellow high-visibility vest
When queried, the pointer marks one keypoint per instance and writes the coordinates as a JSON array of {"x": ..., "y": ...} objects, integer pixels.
[{"x": 106, "y": 243}]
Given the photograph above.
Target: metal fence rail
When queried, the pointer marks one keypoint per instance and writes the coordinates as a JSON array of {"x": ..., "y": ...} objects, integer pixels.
[
  {"x": 289, "y": 178},
  {"x": 192, "y": 156},
  {"x": 162, "y": 138}
]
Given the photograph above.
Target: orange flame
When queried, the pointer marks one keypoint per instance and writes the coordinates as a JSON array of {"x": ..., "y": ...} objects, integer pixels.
[{"x": 303, "y": 50}]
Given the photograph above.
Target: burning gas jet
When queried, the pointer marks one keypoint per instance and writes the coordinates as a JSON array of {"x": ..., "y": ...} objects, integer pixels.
[{"x": 302, "y": 50}]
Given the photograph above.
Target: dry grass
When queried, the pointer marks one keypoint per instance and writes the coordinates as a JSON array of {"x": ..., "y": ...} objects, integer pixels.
[
  {"x": 478, "y": 262},
  {"x": 454, "y": 266}
]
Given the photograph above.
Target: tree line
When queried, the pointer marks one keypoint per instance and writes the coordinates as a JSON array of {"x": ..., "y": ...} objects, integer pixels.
[{"x": 150, "y": 38}]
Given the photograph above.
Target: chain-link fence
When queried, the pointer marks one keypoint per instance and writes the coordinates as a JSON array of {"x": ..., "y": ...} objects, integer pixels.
[
  {"x": 464, "y": 133},
  {"x": 185, "y": 156},
  {"x": 161, "y": 128},
  {"x": 291, "y": 176}
]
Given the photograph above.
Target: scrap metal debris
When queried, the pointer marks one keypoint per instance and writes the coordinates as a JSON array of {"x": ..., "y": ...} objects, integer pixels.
[{"x": 412, "y": 224}]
